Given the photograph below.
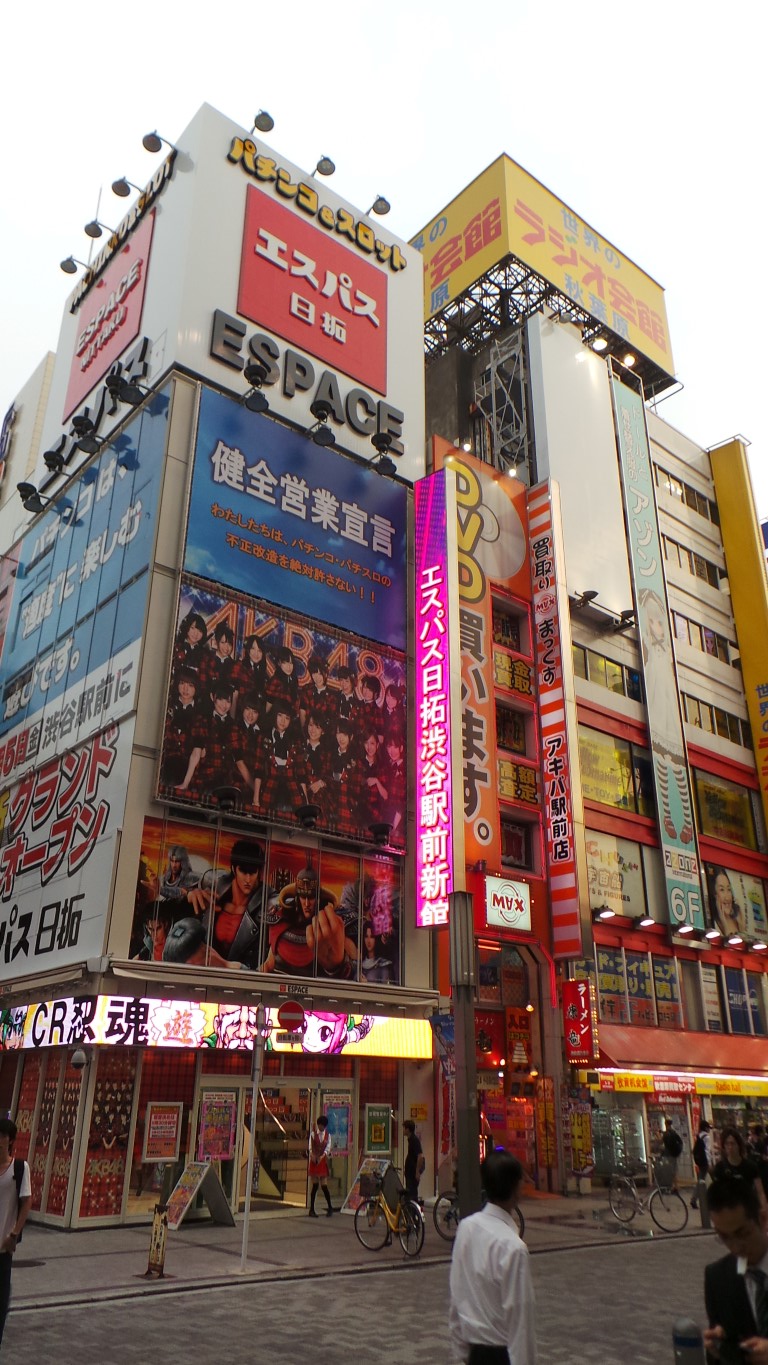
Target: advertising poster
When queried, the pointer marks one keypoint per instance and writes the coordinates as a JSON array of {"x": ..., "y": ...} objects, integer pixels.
[
  {"x": 639, "y": 988},
  {"x": 70, "y": 656},
  {"x": 338, "y": 1111},
  {"x": 580, "y": 1124},
  {"x": 66, "y": 1124},
  {"x": 710, "y": 990},
  {"x": 107, "y": 1142},
  {"x": 378, "y": 1129},
  {"x": 612, "y": 985},
  {"x": 738, "y": 1006},
  {"x": 162, "y": 1131},
  {"x": 546, "y": 1121},
  {"x": 320, "y": 533},
  {"x": 677, "y": 830},
  {"x": 669, "y": 1007},
  {"x": 210, "y": 897},
  {"x": 58, "y": 832},
  {"x": 218, "y": 1120},
  {"x": 615, "y": 875},
  {"x": 736, "y": 902},
  {"x": 283, "y": 719},
  {"x": 372, "y": 1170}
]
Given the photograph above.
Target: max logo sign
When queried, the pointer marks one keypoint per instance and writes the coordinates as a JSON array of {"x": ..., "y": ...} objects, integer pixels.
[{"x": 507, "y": 903}]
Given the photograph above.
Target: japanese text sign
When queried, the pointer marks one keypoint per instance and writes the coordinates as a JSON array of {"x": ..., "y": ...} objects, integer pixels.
[
  {"x": 307, "y": 287},
  {"x": 507, "y": 903},
  {"x": 580, "y": 1023},
  {"x": 311, "y": 530},
  {"x": 504, "y": 212},
  {"x": 110, "y": 318},
  {"x": 672, "y": 785}
]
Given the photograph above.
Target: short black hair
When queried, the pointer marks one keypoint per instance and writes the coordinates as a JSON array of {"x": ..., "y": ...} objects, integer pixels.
[
  {"x": 501, "y": 1174},
  {"x": 732, "y": 1192},
  {"x": 409, "y": 1125},
  {"x": 322, "y": 1121},
  {"x": 8, "y": 1127}
]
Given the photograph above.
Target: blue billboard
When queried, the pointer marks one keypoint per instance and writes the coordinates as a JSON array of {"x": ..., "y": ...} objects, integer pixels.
[
  {"x": 70, "y": 652},
  {"x": 275, "y": 516}
]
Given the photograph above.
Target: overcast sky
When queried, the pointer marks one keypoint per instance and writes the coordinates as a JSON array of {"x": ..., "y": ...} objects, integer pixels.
[{"x": 648, "y": 121}]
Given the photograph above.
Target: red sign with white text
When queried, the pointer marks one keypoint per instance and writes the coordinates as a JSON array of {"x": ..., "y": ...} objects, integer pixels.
[
  {"x": 580, "y": 1023},
  {"x": 109, "y": 317},
  {"x": 302, "y": 283}
]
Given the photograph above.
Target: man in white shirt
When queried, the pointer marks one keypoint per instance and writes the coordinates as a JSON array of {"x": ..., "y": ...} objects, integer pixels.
[
  {"x": 14, "y": 1207},
  {"x": 491, "y": 1317}
]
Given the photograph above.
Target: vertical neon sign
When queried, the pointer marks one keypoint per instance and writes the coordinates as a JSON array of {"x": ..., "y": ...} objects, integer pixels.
[{"x": 434, "y": 778}]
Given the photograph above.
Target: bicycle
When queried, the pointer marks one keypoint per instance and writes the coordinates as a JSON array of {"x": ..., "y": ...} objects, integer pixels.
[
  {"x": 375, "y": 1222},
  {"x": 446, "y": 1215},
  {"x": 666, "y": 1206}
]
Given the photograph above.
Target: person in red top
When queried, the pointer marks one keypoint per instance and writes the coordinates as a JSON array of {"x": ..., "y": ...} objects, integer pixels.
[
  {"x": 317, "y": 698},
  {"x": 319, "y": 1151}
]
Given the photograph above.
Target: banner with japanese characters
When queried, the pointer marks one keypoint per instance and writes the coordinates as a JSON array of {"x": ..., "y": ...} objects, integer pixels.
[
  {"x": 70, "y": 656},
  {"x": 672, "y": 784},
  {"x": 271, "y": 714},
  {"x": 58, "y": 830},
  {"x": 307, "y": 528}
]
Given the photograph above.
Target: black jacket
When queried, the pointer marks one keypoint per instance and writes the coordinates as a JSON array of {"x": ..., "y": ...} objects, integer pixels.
[{"x": 728, "y": 1306}]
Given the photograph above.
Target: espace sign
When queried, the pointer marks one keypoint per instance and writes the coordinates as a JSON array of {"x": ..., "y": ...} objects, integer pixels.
[{"x": 507, "y": 904}]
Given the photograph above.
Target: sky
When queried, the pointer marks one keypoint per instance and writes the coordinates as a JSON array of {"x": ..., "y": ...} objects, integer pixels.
[{"x": 648, "y": 121}]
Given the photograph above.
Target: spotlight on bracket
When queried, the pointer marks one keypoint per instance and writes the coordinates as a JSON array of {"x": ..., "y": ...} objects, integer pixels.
[
  {"x": 263, "y": 121},
  {"x": 53, "y": 460},
  {"x": 308, "y": 815},
  {"x": 70, "y": 263},
  {"x": 324, "y": 166},
  {"x": 380, "y": 832},
  {"x": 255, "y": 374},
  {"x": 152, "y": 142},
  {"x": 379, "y": 206},
  {"x": 626, "y": 620},
  {"x": 123, "y": 187},
  {"x": 583, "y": 599},
  {"x": 322, "y": 435},
  {"x": 95, "y": 228}
]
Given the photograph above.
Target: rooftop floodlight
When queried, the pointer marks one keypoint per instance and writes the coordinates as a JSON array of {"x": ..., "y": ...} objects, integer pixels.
[
  {"x": 263, "y": 121},
  {"x": 626, "y": 619},
  {"x": 685, "y": 929},
  {"x": 256, "y": 401},
  {"x": 31, "y": 500},
  {"x": 735, "y": 941},
  {"x": 152, "y": 142},
  {"x": 629, "y": 360},
  {"x": 645, "y": 921},
  {"x": 131, "y": 393},
  {"x": 320, "y": 409},
  {"x": 583, "y": 599},
  {"x": 380, "y": 206},
  {"x": 713, "y": 934},
  {"x": 82, "y": 424},
  {"x": 384, "y": 464},
  {"x": 322, "y": 435},
  {"x": 604, "y": 913},
  {"x": 69, "y": 265},
  {"x": 599, "y": 344},
  {"x": 324, "y": 166},
  {"x": 381, "y": 441},
  {"x": 123, "y": 187},
  {"x": 53, "y": 460},
  {"x": 256, "y": 373},
  {"x": 380, "y": 832},
  {"x": 95, "y": 228}
]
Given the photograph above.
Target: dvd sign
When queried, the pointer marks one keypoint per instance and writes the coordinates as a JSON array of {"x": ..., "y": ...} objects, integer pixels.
[{"x": 507, "y": 904}]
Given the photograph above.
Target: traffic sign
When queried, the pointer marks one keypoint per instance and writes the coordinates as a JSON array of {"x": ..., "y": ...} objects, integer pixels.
[{"x": 290, "y": 1016}]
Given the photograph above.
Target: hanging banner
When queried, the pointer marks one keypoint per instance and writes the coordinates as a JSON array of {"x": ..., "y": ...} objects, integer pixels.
[{"x": 677, "y": 832}]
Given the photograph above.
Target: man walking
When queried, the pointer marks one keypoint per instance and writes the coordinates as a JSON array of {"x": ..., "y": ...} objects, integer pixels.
[
  {"x": 413, "y": 1168},
  {"x": 491, "y": 1317},
  {"x": 15, "y": 1201},
  {"x": 736, "y": 1287}
]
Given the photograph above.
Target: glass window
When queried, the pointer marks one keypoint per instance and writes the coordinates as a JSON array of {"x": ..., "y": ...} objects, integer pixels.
[
  {"x": 681, "y": 626},
  {"x": 725, "y": 810},
  {"x": 606, "y": 769},
  {"x": 721, "y": 723},
  {"x": 734, "y": 731},
  {"x": 712, "y": 999},
  {"x": 702, "y": 505},
  {"x": 612, "y": 985},
  {"x": 692, "y": 1002},
  {"x": 707, "y": 719},
  {"x": 645, "y": 798},
  {"x": 710, "y": 641},
  {"x": 596, "y": 664},
  {"x": 692, "y": 712},
  {"x": 694, "y": 635},
  {"x": 614, "y": 677},
  {"x": 579, "y": 661},
  {"x": 668, "y": 1004},
  {"x": 634, "y": 685}
]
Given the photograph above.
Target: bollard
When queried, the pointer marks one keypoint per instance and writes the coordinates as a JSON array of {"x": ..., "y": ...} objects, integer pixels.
[
  {"x": 688, "y": 1342},
  {"x": 701, "y": 1199}
]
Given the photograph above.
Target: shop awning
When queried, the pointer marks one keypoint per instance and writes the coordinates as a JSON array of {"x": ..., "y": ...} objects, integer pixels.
[{"x": 623, "y": 1046}]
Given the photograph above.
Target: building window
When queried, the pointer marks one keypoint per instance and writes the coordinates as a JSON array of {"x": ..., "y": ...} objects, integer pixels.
[
  {"x": 725, "y": 810},
  {"x": 579, "y": 661},
  {"x": 608, "y": 673},
  {"x": 615, "y": 773}
]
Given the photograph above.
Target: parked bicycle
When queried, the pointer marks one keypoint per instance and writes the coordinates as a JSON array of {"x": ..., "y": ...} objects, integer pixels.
[
  {"x": 375, "y": 1222},
  {"x": 666, "y": 1206},
  {"x": 446, "y": 1215}
]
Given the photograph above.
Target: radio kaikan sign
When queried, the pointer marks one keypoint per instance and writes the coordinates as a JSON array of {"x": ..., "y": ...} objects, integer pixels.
[{"x": 314, "y": 292}]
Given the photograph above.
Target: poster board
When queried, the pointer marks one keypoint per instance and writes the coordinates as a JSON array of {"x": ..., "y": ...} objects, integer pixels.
[
  {"x": 378, "y": 1130},
  {"x": 362, "y": 1185},
  {"x": 198, "y": 1177},
  {"x": 218, "y": 1121},
  {"x": 338, "y": 1111},
  {"x": 162, "y": 1131}
]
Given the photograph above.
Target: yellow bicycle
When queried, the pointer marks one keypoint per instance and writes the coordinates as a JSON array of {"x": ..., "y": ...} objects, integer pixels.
[{"x": 375, "y": 1222}]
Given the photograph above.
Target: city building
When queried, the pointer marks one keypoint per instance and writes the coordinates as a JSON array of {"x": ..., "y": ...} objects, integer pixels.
[
  {"x": 204, "y": 683},
  {"x": 609, "y": 739}
]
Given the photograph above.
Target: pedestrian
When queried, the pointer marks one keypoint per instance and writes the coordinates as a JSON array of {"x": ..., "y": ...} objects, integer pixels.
[
  {"x": 414, "y": 1161},
  {"x": 319, "y": 1151},
  {"x": 491, "y": 1318},
  {"x": 15, "y": 1203},
  {"x": 671, "y": 1147},
  {"x": 736, "y": 1287},
  {"x": 736, "y": 1161},
  {"x": 702, "y": 1157}
]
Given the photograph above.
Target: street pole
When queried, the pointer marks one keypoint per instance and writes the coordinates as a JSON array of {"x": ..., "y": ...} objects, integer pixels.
[
  {"x": 257, "y": 1063},
  {"x": 462, "y": 946}
]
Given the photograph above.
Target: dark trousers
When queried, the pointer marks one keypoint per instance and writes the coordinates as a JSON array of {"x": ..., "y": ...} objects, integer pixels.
[
  {"x": 488, "y": 1355},
  {"x": 6, "y": 1262},
  {"x": 412, "y": 1188}
]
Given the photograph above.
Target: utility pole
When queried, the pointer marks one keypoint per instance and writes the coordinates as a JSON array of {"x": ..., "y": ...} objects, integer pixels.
[
  {"x": 462, "y": 946},
  {"x": 257, "y": 1064}
]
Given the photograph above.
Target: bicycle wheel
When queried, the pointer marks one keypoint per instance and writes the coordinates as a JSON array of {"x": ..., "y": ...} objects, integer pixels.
[
  {"x": 518, "y": 1217},
  {"x": 371, "y": 1224},
  {"x": 410, "y": 1228},
  {"x": 668, "y": 1210},
  {"x": 622, "y": 1198},
  {"x": 445, "y": 1213}
]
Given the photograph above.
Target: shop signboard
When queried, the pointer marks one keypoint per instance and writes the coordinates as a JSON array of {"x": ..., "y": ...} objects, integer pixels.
[
  {"x": 615, "y": 875},
  {"x": 507, "y": 904},
  {"x": 725, "y": 810},
  {"x": 639, "y": 988},
  {"x": 378, "y": 1129},
  {"x": 580, "y": 1125},
  {"x": 162, "y": 1131},
  {"x": 218, "y": 1119},
  {"x": 553, "y": 670},
  {"x": 738, "y": 1005},
  {"x": 198, "y": 1178},
  {"x": 672, "y": 784},
  {"x": 710, "y": 990},
  {"x": 325, "y": 538},
  {"x": 371, "y": 1171},
  {"x": 669, "y": 1009},
  {"x": 546, "y": 1122},
  {"x": 506, "y": 211},
  {"x": 612, "y": 985},
  {"x": 631, "y": 1082},
  {"x": 580, "y": 1030}
]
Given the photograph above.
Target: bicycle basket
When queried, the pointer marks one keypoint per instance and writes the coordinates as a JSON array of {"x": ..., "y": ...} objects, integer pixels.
[
  {"x": 370, "y": 1184},
  {"x": 664, "y": 1171},
  {"x": 392, "y": 1186}
]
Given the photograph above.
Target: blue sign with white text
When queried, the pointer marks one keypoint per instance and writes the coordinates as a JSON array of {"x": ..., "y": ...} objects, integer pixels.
[{"x": 276, "y": 516}]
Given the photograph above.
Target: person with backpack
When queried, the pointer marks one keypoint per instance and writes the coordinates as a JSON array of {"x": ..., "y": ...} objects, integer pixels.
[
  {"x": 671, "y": 1147},
  {"x": 15, "y": 1203},
  {"x": 701, "y": 1157}
]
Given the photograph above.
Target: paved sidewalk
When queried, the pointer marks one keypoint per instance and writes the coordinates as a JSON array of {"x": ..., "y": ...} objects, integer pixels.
[{"x": 54, "y": 1267}]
